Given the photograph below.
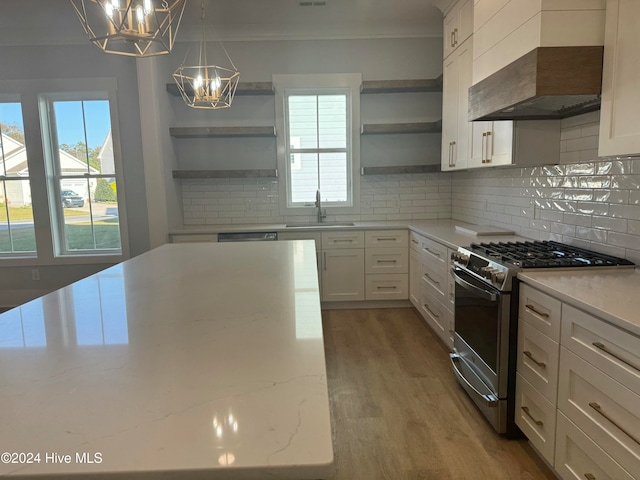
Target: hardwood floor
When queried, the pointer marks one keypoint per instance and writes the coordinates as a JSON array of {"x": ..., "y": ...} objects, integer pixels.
[{"x": 397, "y": 411}]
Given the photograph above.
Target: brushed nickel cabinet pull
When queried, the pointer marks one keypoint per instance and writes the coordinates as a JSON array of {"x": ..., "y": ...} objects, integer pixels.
[
  {"x": 415, "y": 241},
  {"x": 482, "y": 149},
  {"x": 598, "y": 409},
  {"x": 537, "y": 422},
  {"x": 533, "y": 309},
  {"x": 324, "y": 260},
  {"x": 386, "y": 261},
  {"x": 605, "y": 349},
  {"x": 530, "y": 355},
  {"x": 392, "y": 287},
  {"x": 432, "y": 279},
  {"x": 489, "y": 157},
  {"x": 590, "y": 476},
  {"x": 387, "y": 239},
  {"x": 452, "y": 39},
  {"x": 437, "y": 254},
  {"x": 337, "y": 240},
  {"x": 430, "y": 311},
  {"x": 455, "y": 36},
  {"x": 453, "y": 153}
]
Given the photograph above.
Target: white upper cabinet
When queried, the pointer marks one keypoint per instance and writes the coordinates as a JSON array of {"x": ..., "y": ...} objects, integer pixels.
[
  {"x": 458, "y": 26},
  {"x": 619, "y": 126},
  {"x": 505, "y": 30},
  {"x": 456, "y": 129}
]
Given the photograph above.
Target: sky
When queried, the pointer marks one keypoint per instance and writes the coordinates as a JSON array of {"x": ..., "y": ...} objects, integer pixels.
[{"x": 69, "y": 120}]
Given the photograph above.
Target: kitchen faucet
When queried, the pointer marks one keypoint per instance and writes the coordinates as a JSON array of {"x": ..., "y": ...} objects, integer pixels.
[{"x": 321, "y": 214}]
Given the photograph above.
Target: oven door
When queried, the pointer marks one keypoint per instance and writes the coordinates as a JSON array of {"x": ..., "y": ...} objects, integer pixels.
[{"x": 481, "y": 339}]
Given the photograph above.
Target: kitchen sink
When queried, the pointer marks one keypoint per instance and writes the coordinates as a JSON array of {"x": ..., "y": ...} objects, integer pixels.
[{"x": 320, "y": 224}]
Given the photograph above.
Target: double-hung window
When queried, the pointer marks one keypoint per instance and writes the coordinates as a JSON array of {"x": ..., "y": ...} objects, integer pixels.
[
  {"x": 319, "y": 147},
  {"x": 81, "y": 171},
  {"x": 17, "y": 233},
  {"x": 318, "y": 132}
]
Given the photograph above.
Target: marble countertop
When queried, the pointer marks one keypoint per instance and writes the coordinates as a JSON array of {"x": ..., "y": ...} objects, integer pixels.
[
  {"x": 191, "y": 361},
  {"x": 442, "y": 230},
  {"x": 612, "y": 295}
]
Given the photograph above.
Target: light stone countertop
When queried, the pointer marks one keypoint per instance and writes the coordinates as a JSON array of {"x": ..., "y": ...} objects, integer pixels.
[
  {"x": 442, "y": 230},
  {"x": 191, "y": 361},
  {"x": 611, "y": 294}
]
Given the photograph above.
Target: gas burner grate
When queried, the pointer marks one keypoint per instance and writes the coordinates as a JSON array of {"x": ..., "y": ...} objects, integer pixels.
[{"x": 545, "y": 254}]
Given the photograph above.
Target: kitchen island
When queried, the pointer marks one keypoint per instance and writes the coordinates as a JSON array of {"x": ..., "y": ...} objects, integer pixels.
[{"x": 191, "y": 361}]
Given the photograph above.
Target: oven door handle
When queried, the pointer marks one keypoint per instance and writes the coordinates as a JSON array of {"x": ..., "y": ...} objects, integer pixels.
[
  {"x": 485, "y": 294},
  {"x": 488, "y": 400}
]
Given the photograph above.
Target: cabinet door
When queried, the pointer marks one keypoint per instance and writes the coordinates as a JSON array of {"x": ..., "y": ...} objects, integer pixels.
[
  {"x": 619, "y": 128},
  {"x": 449, "y": 111},
  {"x": 478, "y": 151},
  {"x": 456, "y": 128},
  {"x": 343, "y": 274},
  {"x": 458, "y": 26},
  {"x": 500, "y": 143}
]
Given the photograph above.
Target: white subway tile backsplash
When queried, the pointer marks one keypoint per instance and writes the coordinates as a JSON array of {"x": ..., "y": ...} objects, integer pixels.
[{"x": 585, "y": 200}]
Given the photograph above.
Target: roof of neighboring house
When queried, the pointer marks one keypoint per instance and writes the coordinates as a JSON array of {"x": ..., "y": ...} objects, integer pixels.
[
  {"x": 16, "y": 161},
  {"x": 9, "y": 144}
]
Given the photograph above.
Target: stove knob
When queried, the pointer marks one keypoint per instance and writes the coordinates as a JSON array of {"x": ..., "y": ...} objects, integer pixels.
[
  {"x": 497, "y": 277},
  {"x": 462, "y": 258}
]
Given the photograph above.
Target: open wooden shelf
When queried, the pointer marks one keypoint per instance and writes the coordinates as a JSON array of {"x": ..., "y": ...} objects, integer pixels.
[
  {"x": 394, "y": 128},
  {"x": 400, "y": 169},
  {"x": 262, "y": 173},
  {"x": 402, "y": 86},
  {"x": 203, "y": 132},
  {"x": 244, "y": 88}
]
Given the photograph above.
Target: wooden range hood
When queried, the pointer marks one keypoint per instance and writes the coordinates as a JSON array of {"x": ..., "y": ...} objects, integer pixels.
[{"x": 546, "y": 83}]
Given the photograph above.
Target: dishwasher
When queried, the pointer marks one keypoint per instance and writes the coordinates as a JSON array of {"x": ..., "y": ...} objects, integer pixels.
[{"x": 247, "y": 237}]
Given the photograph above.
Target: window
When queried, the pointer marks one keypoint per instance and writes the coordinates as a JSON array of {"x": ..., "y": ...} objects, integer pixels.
[
  {"x": 17, "y": 233},
  {"x": 319, "y": 116},
  {"x": 318, "y": 141},
  {"x": 81, "y": 173}
]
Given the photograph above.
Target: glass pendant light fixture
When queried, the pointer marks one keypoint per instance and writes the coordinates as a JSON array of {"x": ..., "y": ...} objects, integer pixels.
[
  {"x": 137, "y": 28},
  {"x": 207, "y": 86}
]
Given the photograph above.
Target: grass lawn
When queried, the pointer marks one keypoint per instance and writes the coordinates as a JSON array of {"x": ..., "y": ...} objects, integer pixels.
[
  {"x": 26, "y": 213},
  {"x": 78, "y": 236}
]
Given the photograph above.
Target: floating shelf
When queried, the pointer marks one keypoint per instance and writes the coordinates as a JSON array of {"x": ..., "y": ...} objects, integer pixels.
[
  {"x": 263, "y": 173},
  {"x": 399, "y": 169},
  {"x": 203, "y": 132},
  {"x": 391, "y": 128},
  {"x": 244, "y": 88},
  {"x": 402, "y": 86}
]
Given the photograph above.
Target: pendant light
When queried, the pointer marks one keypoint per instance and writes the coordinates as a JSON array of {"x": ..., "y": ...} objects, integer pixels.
[
  {"x": 203, "y": 85},
  {"x": 137, "y": 28}
]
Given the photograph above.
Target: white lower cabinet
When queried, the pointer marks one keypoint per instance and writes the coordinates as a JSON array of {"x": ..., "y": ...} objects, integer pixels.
[
  {"x": 386, "y": 265},
  {"x": 387, "y": 287},
  {"x": 536, "y": 417},
  {"x": 579, "y": 458},
  {"x": 342, "y": 274},
  {"x": 431, "y": 285},
  {"x": 582, "y": 393}
]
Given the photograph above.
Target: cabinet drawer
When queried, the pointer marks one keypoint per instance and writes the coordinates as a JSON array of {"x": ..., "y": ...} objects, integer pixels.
[
  {"x": 578, "y": 458},
  {"x": 386, "y": 238},
  {"x": 541, "y": 311},
  {"x": 611, "y": 349},
  {"x": 344, "y": 239},
  {"x": 538, "y": 360},
  {"x": 386, "y": 260},
  {"x": 433, "y": 251},
  {"x": 436, "y": 315},
  {"x": 436, "y": 282},
  {"x": 415, "y": 241},
  {"x": 387, "y": 287},
  {"x": 536, "y": 417},
  {"x": 605, "y": 410},
  {"x": 315, "y": 236}
]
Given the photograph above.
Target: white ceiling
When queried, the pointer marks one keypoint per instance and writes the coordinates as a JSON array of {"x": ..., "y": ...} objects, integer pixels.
[{"x": 37, "y": 22}]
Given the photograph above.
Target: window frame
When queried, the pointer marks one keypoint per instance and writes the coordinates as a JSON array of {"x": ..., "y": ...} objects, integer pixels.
[
  {"x": 38, "y": 151},
  {"x": 14, "y": 98},
  {"x": 321, "y": 84}
]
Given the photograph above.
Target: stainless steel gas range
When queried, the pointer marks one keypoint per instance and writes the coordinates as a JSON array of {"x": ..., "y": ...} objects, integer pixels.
[{"x": 486, "y": 314}]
